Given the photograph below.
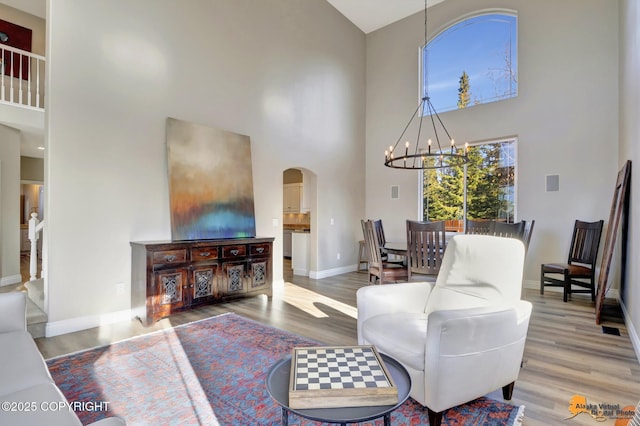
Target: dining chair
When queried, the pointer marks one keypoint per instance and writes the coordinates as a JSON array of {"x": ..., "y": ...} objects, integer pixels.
[
  {"x": 580, "y": 269},
  {"x": 510, "y": 230},
  {"x": 426, "y": 242},
  {"x": 526, "y": 235},
  {"x": 382, "y": 241},
  {"x": 380, "y": 271},
  {"x": 480, "y": 227}
]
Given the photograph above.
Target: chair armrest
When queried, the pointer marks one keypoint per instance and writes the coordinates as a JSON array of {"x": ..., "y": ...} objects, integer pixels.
[
  {"x": 391, "y": 298},
  {"x": 481, "y": 347},
  {"x": 13, "y": 312}
]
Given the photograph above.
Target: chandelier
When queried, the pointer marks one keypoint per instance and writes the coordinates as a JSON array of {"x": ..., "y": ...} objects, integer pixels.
[{"x": 431, "y": 155}]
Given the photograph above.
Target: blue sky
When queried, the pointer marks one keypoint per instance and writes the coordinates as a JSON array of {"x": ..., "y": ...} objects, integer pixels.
[{"x": 478, "y": 46}]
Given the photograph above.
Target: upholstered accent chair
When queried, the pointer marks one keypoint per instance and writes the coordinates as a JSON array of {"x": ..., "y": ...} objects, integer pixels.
[{"x": 461, "y": 337}]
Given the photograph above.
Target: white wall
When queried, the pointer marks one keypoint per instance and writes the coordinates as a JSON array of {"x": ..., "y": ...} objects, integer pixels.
[
  {"x": 290, "y": 74},
  {"x": 9, "y": 206},
  {"x": 565, "y": 115},
  {"x": 629, "y": 143}
]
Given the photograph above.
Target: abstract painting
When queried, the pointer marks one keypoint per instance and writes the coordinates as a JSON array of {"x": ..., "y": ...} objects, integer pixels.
[{"x": 210, "y": 182}]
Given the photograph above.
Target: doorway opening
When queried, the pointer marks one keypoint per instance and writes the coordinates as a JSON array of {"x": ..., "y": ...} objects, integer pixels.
[{"x": 299, "y": 233}]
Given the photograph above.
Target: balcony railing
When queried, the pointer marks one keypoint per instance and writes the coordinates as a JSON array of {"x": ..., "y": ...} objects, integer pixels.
[{"x": 21, "y": 77}]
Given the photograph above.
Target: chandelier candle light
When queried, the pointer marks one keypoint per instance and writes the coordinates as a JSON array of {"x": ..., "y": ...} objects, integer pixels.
[{"x": 416, "y": 158}]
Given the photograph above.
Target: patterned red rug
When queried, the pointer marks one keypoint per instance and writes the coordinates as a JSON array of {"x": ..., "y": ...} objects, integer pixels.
[{"x": 211, "y": 372}]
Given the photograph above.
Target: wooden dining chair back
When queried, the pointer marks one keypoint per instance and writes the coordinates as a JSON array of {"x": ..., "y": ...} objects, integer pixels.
[
  {"x": 526, "y": 235},
  {"x": 426, "y": 242},
  {"x": 482, "y": 227},
  {"x": 380, "y": 271},
  {"x": 509, "y": 230},
  {"x": 377, "y": 225},
  {"x": 581, "y": 264}
]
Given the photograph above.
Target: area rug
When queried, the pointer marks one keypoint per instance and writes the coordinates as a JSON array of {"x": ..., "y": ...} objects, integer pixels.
[{"x": 211, "y": 372}]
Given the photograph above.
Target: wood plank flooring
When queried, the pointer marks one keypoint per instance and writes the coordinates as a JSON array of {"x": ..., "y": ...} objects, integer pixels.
[{"x": 566, "y": 353}]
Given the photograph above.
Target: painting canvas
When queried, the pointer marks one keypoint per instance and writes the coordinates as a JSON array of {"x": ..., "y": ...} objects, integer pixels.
[{"x": 210, "y": 182}]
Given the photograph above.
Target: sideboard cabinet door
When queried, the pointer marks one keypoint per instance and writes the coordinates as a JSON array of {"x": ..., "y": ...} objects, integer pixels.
[
  {"x": 234, "y": 278},
  {"x": 170, "y": 291}
]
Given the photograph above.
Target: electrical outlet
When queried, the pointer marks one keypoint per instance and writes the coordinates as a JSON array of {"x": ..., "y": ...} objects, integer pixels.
[
  {"x": 119, "y": 289},
  {"x": 338, "y": 256}
]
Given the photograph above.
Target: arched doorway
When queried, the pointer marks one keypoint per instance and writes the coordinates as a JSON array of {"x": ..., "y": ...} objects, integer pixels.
[{"x": 299, "y": 222}]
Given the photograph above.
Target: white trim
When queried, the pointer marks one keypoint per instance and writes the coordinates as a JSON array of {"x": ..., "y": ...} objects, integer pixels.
[
  {"x": 12, "y": 279},
  {"x": 71, "y": 325},
  {"x": 332, "y": 272},
  {"x": 301, "y": 271},
  {"x": 633, "y": 334}
]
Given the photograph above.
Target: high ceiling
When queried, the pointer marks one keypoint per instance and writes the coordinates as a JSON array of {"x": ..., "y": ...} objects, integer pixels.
[{"x": 369, "y": 15}]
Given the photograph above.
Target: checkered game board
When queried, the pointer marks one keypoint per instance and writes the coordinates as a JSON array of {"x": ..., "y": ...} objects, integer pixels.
[{"x": 338, "y": 368}]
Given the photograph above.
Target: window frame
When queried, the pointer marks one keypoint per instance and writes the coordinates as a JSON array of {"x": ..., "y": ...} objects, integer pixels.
[
  {"x": 513, "y": 139},
  {"x": 454, "y": 22}
]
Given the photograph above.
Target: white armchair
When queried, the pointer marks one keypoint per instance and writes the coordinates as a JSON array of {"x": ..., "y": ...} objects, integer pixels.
[{"x": 461, "y": 337}]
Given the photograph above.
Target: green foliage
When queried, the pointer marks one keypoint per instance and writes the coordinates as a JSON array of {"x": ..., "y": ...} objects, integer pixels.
[
  {"x": 443, "y": 188},
  {"x": 464, "y": 94}
]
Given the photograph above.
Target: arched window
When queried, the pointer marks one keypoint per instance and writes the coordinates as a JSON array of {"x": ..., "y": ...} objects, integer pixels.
[{"x": 474, "y": 61}]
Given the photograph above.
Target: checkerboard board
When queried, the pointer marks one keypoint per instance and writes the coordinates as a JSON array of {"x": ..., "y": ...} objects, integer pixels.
[{"x": 344, "y": 376}]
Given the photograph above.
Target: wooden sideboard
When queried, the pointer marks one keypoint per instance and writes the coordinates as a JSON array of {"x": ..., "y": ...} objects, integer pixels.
[{"x": 172, "y": 276}]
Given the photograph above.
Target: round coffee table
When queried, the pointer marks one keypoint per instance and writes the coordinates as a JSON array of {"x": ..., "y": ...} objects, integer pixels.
[{"x": 278, "y": 388}]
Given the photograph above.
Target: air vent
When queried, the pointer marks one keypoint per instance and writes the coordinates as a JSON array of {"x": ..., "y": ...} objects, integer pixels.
[
  {"x": 553, "y": 183},
  {"x": 395, "y": 192}
]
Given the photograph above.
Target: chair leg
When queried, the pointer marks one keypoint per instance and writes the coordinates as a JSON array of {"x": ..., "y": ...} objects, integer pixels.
[
  {"x": 593, "y": 289},
  {"x": 542, "y": 279},
  {"x": 567, "y": 286},
  {"x": 507, "y": 391},
  {"x": 435, "y": 419}
]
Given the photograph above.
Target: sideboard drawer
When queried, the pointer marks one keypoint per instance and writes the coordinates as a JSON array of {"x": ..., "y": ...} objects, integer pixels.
[
  {"x": 169, "y": 257},
  {"x": 232, "y": 252},
  {"x": 259, "y": 249},
  {"x": 201, "y": 254}
]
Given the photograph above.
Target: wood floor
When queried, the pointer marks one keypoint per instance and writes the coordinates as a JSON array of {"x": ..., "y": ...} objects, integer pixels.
[{"x": 566, "y": 353}]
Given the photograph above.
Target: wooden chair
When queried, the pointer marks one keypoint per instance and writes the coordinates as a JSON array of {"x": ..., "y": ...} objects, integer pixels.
[
  {"x": 379, "y": 270},
  {"x": 426, "y": 242},
  {"x": 482, "y": 227},
  {"x": 580, "y": 267},
  {"x": 526, "y": 235},
  {"x": 510, "y": 230}
]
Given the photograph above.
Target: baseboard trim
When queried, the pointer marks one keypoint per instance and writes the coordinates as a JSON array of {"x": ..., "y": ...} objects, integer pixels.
[
  {"x": 71, "y": 325},
  {"x": 11, "y": 279},
  {"x": 633, "y": 334},
  {"x": 301, "y": 272},
  {"x": 316, "y": 275}
]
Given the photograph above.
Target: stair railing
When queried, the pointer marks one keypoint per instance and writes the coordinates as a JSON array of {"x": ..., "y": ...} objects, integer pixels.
[{"x": 35, "y": 227}]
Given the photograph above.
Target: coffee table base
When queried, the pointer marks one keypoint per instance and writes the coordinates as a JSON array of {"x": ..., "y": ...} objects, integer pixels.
[
  {"x": 278, "y": 387},
  {"x": 285, "y": 418}
]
